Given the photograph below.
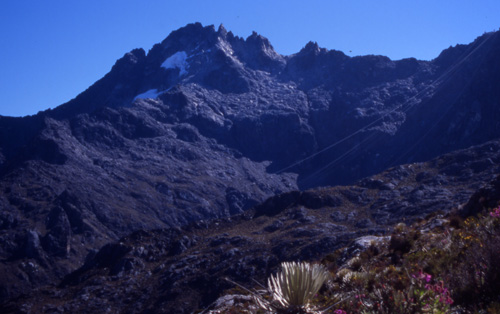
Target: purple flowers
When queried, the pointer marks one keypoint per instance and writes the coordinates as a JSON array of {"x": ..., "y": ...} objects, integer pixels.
[
  {"x": 441, "y": 291},
  {"x": 495, "y": 213},
  {"x": 422, "y": 276},
  {"x": 427, "y": 277},
  {"x": 339, "y": 311}
]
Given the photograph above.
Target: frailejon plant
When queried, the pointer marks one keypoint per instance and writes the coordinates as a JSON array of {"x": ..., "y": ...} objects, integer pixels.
[{"x": 293, "y": 288}]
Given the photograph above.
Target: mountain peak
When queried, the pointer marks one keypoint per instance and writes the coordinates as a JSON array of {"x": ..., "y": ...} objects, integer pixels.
[
  {"x": 190, "y": 35},
  {"x": 311, "y": 47},
  {"x": 257, "y": 39},
  {"x": 132, "y": 57},
  {"x": 222, "y": 30}
]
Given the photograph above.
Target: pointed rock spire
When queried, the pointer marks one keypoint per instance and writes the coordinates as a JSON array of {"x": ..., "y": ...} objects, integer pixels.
[{"x": 222, "y": 30}]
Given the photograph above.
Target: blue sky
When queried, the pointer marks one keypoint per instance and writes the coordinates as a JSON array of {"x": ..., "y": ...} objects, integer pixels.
[{"x": 50, "y": 51}]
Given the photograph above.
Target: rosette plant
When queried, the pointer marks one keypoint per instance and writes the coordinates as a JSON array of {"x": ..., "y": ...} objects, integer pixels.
[{"x": 293, "y": 288}]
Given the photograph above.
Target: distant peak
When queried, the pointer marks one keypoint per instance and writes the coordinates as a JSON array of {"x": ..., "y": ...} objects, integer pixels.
[
  {"x": 190, "y": 28},
  {"x": 259, "y": 40},
  {"x": 190, "y": 32},
  {"x": 131, "y": 58},
  {"x": 222, "y": 30},
  {"x": 193, "y": 26},
  {"x": 256, "y": 35},
  {"x": 135, "y": 55},
  {"x": 311, "y": 47}
]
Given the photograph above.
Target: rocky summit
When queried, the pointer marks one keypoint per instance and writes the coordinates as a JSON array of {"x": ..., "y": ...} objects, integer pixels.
[{"x": 169, "y": 144}]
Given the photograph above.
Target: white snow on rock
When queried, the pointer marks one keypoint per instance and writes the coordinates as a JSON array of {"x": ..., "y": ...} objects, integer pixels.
[
  {"x": 177, "y": 60},
  {"x": 152, "y": 93}
]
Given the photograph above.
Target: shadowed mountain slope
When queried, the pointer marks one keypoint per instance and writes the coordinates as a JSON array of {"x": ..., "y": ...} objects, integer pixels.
[
  {"x": 207, "y": 125},
  {"x": 180, "y": 270}
]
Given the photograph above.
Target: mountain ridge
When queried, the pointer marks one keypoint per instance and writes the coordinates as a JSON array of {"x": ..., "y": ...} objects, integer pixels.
[{"x": 207, "y": 125}]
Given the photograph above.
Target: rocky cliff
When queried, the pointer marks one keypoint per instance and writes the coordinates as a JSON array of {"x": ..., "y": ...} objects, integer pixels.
[{"x": 207, "y": 125}]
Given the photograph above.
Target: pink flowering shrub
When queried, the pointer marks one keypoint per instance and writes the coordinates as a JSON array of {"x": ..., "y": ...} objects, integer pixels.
[
  {"x": 495, "y": 213},
  {"x": 441, "y": 292},
  {"x": 452, "y": 269},
  {"x": 423, "y": 277},
  {"x": 435, "y": 271}
]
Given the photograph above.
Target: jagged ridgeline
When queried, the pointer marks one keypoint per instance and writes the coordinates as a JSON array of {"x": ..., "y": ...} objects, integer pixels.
[{"x": 208, "y": 125}]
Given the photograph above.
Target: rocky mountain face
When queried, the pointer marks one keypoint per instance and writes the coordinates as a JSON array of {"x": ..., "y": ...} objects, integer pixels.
[
  {"x": 208, "y": 125},
  {"x": 182, "y": 270}
]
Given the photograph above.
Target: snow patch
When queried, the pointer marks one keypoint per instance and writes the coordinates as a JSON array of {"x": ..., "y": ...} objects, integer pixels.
[
  {"x": 152, "y": 93},
  {"x": 177, "y": 60}
]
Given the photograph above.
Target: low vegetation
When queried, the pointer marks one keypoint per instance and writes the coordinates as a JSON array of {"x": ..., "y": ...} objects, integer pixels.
[
  {"x": 437, "y": 265},
  {"x": 293, "y": 288}
]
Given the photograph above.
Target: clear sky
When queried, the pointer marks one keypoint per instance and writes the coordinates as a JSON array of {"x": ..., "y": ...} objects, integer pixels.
[{"x": 52, "y": 50}]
